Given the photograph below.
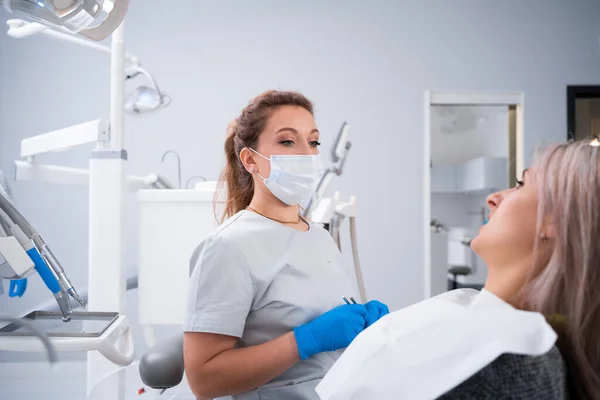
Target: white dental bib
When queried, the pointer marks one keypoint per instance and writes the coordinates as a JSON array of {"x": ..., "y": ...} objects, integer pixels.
[{"x": 427, "y": 349}]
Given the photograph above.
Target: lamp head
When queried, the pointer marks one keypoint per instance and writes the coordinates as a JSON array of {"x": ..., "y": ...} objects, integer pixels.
[
  {"x": 145, "y": 100},
  {"x": 94, "y": 19}
]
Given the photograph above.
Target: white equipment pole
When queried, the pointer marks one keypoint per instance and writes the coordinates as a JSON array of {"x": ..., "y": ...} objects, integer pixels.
[{"x": 106, "y": 279}]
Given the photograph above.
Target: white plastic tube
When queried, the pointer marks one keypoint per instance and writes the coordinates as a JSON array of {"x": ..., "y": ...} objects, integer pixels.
[{"x": 357, "y": 270}]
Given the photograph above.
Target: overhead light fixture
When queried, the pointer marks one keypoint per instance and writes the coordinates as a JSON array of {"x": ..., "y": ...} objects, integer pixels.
[
  {"x": 145, "y": 100},
  {"x": 94, "y": 19}
]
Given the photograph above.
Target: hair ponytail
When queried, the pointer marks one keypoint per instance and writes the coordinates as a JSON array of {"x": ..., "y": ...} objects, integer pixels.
[
  {"x": 242, "y": 133},
  {"x": 239, "y": 183}
]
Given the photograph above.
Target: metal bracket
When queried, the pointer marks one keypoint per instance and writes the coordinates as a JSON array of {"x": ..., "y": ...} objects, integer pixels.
[{"x": 104, "y": 131}]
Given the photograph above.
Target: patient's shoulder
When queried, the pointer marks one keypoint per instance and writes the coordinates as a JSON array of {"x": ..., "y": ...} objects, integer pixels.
[{"x": 513, "y": 376}]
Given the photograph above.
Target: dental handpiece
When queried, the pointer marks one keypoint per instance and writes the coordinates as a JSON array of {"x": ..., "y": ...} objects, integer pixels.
[
  {"x": 64, "y": 304},
  {"x": 54, "y": 264},
  {"x": 50, "y": 278}
]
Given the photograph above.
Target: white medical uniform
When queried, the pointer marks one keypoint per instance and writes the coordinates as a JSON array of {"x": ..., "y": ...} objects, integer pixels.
[{"x": 257, "y": 279}]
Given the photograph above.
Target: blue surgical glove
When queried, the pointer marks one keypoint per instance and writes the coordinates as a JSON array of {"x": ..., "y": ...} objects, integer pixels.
[
  {"x": 334, "y": 330},
  {"x": 375, "y": 311}
]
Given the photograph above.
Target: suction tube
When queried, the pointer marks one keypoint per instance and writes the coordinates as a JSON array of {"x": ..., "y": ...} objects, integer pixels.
[
  {"x": 357, "y": 269},
  {"x": 50, "y": 349},
  {"x": 335, "y": 230}
]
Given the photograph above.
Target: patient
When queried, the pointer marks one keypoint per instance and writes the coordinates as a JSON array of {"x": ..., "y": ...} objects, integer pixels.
[{"x": 542, "y": 249}]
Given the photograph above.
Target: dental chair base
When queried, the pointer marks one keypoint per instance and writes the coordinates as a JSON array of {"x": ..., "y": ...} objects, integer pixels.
[{"x": 162, "y": 366}]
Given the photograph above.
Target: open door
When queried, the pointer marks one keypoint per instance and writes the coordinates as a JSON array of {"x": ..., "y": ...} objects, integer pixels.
[{"x": 474, "y": 146}]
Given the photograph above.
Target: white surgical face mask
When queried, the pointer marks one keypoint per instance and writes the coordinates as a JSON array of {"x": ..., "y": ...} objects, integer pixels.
[{"x": 293, "y": 178}]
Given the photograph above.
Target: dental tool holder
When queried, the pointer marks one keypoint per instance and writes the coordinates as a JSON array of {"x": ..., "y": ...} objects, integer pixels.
[
  {"x": 23, "y": 249},
  {"x": 328, "y": 207},
  {"x": 87, "y": 331}
]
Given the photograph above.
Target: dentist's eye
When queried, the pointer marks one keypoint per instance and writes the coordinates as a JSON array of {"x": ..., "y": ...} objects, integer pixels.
[
  {"x": 287, "y": 143},
  {"x": 314, "y": 143},
  {"x": 519, "y": 183}
]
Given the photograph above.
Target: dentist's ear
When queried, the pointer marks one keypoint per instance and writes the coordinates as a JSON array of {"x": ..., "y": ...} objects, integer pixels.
[{"x": 247, "y": 159}]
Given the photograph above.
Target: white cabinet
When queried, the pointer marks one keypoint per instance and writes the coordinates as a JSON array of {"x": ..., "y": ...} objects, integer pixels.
[
  {"x": 477, "y": 175},
  {"x": 172, "y": 224},
  {"x": 443, "y": 178}
]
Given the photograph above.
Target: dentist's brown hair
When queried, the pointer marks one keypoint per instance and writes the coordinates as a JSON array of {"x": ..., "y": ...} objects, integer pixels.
[{"x": 244, "y": 132}]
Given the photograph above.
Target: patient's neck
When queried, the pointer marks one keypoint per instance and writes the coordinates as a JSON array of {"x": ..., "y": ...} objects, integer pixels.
[{"x": 507, "y": 282}]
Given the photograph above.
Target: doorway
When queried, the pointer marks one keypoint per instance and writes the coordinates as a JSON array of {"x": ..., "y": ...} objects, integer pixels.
[
  {"x": 583, "y": 111},
  {"x": 473, "y": 147}
]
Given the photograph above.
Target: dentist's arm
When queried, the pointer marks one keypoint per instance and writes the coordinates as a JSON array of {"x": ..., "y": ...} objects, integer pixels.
[{"x": 215, "y": 368}]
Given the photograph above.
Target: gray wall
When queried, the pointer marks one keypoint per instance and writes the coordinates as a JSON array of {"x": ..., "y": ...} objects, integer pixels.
[{"x": 365, "y": 62}]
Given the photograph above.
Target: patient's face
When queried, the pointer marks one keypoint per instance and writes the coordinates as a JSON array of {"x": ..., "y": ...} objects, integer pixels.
[{"x": 510, "y": 234}]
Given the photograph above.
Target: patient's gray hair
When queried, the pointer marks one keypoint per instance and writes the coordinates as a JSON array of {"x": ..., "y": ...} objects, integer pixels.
[{"x": 568, "y": 285}]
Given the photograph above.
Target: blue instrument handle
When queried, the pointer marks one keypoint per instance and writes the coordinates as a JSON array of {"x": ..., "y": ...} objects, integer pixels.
[{"x": 17, "y": 287}]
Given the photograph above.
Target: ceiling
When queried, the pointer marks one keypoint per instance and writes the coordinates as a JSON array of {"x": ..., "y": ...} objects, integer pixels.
[{"x": 460, "y": 133}]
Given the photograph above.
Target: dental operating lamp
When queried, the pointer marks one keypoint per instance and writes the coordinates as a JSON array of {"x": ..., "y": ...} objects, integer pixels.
[
  {"x": 141, "y": 101},
  {"x": 144, "y": 100},
  {"x": 93, "y": 19}
]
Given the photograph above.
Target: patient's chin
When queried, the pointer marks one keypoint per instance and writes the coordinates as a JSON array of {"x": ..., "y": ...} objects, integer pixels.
[{"x": 478, "y": 245}]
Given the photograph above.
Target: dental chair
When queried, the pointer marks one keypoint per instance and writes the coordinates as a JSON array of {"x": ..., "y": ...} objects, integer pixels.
[{"x": 162, "y": 365}]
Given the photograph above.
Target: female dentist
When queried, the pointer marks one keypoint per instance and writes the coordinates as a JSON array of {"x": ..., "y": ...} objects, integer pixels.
[{"x": 264, "y": 318}]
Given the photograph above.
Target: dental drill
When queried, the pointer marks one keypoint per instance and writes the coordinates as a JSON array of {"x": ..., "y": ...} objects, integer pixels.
[{"x": 39, "y": 253}]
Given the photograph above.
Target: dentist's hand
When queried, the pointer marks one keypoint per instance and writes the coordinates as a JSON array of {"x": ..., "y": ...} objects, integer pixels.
[
  {"x": 334, "y": 330},
  {"x": 375, "y": 311}
]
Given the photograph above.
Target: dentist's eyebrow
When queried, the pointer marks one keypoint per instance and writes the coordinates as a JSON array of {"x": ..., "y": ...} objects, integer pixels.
[{"x": 294, "y": 131}]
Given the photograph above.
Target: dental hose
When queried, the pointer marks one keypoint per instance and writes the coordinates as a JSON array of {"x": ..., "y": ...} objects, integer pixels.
[
  {"x": 357, "y": 270},
  {"x": 335, "y": 230},
  {"x": 50, "y": 349}
]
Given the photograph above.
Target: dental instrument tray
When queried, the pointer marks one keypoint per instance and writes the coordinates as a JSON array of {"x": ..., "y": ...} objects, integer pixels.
[{"x": 83, "y": 324}]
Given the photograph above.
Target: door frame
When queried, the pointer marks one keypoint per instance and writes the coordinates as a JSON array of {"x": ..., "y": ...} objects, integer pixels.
[
  {"x": 436, "y": 98},
  {"x": 575, "y": 92}
]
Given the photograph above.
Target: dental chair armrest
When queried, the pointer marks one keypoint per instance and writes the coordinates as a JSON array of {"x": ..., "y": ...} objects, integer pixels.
[{"x": 162, "y": 365}]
